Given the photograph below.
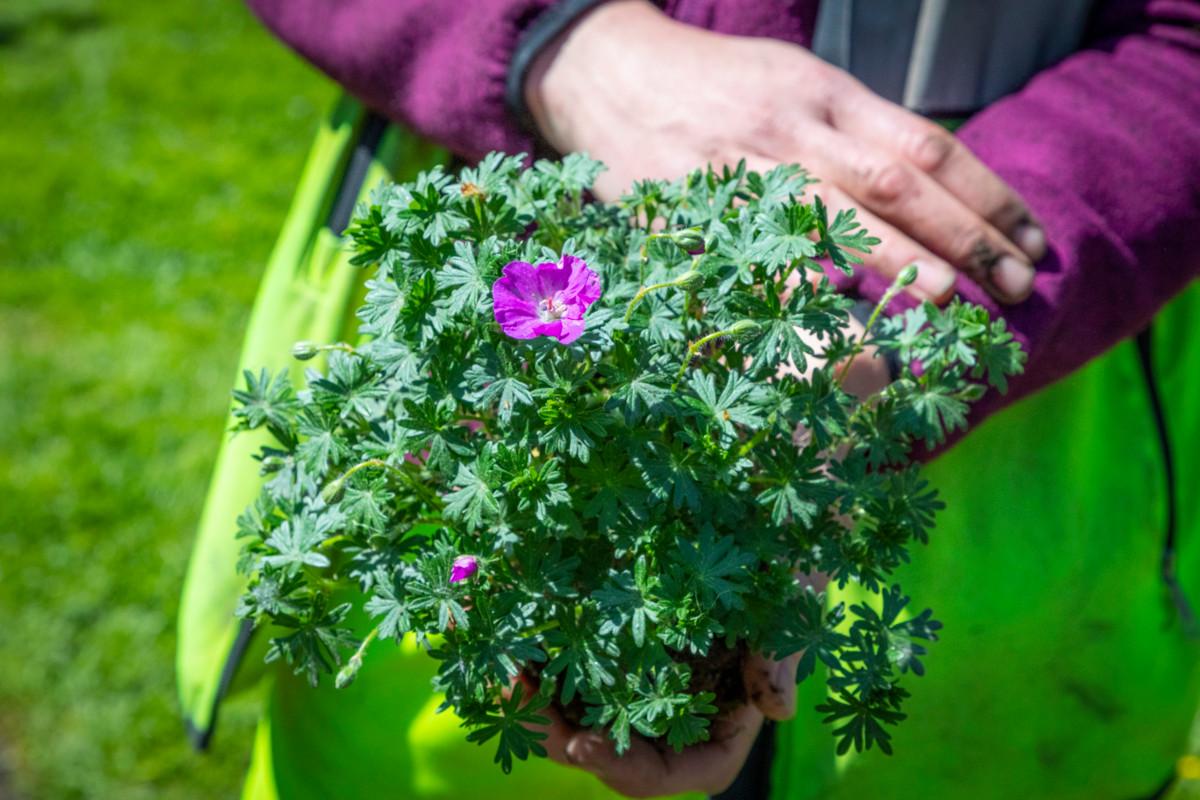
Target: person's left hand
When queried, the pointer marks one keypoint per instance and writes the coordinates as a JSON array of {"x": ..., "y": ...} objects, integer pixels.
[{"x": 650, "y": 770}]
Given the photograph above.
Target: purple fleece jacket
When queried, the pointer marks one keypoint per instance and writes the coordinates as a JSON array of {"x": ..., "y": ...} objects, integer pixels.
[{"x": 1104, "y": 146}]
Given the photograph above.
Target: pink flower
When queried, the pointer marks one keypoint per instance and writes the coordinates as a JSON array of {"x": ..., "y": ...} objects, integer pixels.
[
  {"x": 545, "y": 300},
  {"x": 463, "y": 568}
]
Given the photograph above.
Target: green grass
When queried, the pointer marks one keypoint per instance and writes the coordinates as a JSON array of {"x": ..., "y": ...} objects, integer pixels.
[{"x": 149, "y": 151}]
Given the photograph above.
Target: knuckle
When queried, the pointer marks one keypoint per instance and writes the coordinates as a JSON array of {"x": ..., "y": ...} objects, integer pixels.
[
  {"x": 885, "y": 184},
  {"x": 1008, "y": 212},
  {"x": 829, "y": 95},
  {"x": 974, "y": 250},
  {"x": 766, "y": 125},
  {"x": 929, "y": 149}
]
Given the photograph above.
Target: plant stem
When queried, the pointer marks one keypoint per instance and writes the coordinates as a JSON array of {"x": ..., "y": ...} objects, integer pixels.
[
  {"x": 362, "y": 648},
  {"x": 901, "y": 281},
  {"x": 642, "y": 292},
  {"x": 756, "y": 439},
  {"x": 334, "y": 487},
  {"x": 694, "y": 348}
]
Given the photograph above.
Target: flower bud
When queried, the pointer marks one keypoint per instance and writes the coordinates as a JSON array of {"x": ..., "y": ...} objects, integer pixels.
[
  {"x": 690, "y": 240},
  {"x": 303, "y": 351},
  {"x": 907, "y": 275},
  {"x": 743, "y": 327},
  {"x": 463, "y": 568},
  {"x": 273, "y": 463},
  {"x": 333, "y": 490},
  {"x": 348, "y": 673}
]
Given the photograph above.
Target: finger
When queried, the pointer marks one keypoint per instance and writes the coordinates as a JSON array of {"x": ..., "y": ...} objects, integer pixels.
[
  {"x": 867, "y": 375},
  {"x": 895, "y": 251},
  {"x": 645, "y": 771},
  {"x": 916, "y": 204},
  {"x": 941, "y": 155},
  {"x": 771, "y": 685}
]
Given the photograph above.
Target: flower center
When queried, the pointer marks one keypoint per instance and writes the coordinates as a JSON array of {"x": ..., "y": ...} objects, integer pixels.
[{"x": 550, "y": 308}]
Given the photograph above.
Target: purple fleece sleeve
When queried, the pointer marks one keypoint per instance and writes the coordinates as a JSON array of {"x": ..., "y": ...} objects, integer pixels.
[
  {"x": 1105, "y": 148},
  {"x": 439, "y": 66}
]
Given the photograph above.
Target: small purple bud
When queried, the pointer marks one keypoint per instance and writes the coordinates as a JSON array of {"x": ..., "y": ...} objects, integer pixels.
[{"x": 463, "y": 568}]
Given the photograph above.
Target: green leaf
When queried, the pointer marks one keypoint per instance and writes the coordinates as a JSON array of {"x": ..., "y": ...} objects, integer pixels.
[
  {"x": 625, "y": 602},
  {"x": 811, "y": 631},
  {"x": 294, "y": 545},
  {"x": 715, "y": 567},
  {"x": 512, "y": 724},
  {"x": 473, "y": 502},
  {"x": 785, "y": 238},
  {"x": 267, "y": 401},
  {"x": 842, "y": 240},
  {"x": 469, "y": 275},
  {"x": 390, "y": 602},
  {"x": 505, "y": 395}
]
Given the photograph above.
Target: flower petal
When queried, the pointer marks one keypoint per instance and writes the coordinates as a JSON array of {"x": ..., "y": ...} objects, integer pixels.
[
  {"x": 584, "y": 285},
  {"x": 463, "y": 568},
  {"x": 519, "y": 278},
  {"x": 552, "y": 278},
  {"x": 520, "y": 321},
  {"x": 570, "y": 330}
]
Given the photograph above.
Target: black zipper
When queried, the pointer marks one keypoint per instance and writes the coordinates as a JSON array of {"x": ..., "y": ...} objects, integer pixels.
[
  {"x": 342, "y": 208},
  {"x": 1168, "y": 565},
  {"x": 201, "y": 737}
]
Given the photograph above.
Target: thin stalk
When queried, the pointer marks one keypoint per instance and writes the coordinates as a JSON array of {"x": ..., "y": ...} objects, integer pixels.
[
  {"x": 905, "y": 278},
  {"x": 682, "y": 281},
  {"x": 334, "y": 487},
  {"x": 642, "y": 292},
  {"x": 740, "y": 327}
]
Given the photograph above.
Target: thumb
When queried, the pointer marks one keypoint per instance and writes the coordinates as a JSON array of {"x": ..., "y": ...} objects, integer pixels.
[{"x": 771, "y": 685}]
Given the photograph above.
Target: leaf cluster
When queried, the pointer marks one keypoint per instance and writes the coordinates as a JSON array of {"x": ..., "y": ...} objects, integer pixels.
[{"x": 650, "y": 494}]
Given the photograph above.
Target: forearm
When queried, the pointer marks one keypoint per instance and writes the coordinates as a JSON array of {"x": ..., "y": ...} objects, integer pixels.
[{"x": 438, "y": 67}]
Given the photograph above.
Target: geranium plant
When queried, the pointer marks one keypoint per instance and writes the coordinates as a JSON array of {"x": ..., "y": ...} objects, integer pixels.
[{"x": 595, "y": 448}]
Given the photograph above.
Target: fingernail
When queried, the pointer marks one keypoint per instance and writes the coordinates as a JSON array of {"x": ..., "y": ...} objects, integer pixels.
[
  {"x": 587, "y": 751},
  {"x": 935, "y": 280},
  {"x": 1013, "y": 278},
  {"x": 1031, "y": 239}
]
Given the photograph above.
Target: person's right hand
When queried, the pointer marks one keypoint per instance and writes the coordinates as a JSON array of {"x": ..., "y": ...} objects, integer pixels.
[
  {"x": 651, "y": 97},
  {"x": 651, "y": 769}
]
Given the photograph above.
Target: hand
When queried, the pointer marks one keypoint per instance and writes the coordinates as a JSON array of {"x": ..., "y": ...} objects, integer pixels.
[
  {"x": 650, "y": 770},
  {"x": 652, "y": 97}
]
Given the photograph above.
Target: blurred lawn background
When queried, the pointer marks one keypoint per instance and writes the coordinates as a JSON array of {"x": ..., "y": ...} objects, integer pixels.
[{"x": 149, "y": 151}]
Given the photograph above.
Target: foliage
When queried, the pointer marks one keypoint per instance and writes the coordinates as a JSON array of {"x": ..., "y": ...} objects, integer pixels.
[{"x": 654, "y": 489}]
